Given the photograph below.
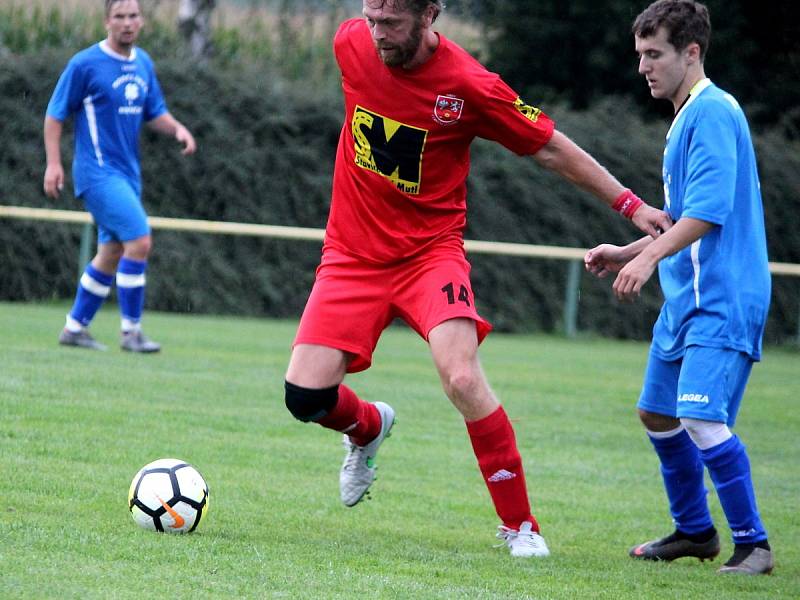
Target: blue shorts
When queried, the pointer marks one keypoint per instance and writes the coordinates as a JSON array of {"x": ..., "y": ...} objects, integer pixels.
[
  {"x": 117, "y": 211},
  {"x": 706, "y": 383}
]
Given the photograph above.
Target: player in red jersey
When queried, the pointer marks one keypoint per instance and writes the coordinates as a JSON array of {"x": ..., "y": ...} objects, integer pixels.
[{"x": 414, "y": 102}]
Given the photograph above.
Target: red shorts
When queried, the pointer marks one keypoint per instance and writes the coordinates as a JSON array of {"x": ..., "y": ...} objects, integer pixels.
[{"x": 351, "y": 302}]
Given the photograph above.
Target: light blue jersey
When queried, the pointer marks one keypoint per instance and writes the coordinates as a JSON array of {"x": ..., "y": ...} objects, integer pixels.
[
  {"x": 717, "y": 290},
  {"x": 110, "y": 95}
]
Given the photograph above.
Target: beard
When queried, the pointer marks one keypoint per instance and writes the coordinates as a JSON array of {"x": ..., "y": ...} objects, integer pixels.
[{"x": 397, "y": 55}]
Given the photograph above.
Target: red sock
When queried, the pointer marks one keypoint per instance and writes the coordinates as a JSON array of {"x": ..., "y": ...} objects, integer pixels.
[
  {"x": 351, "y": 415},
  {"x": 501, "y": 466}
]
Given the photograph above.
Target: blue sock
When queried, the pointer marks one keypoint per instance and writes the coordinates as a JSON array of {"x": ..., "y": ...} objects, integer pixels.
[
  {"x": 130, "y": 289},
  {"x": 729, "y": 468},
  {"x": 93, "y": 289},
  {"x": 682, "y": 471}
]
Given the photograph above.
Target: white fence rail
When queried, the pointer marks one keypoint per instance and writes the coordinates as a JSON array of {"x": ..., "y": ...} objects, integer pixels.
[{"x": 574, "y": 255}]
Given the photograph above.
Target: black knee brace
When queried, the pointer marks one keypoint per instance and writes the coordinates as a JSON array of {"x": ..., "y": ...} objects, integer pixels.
[{"x": 309, "y": 404}]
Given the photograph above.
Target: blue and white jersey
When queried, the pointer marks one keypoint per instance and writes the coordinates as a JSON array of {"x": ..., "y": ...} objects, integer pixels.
[
  {"x": 717, "y": 290},
  {"x": 110, "y": 95}
]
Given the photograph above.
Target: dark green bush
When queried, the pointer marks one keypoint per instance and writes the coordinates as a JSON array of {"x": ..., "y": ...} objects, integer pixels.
[{"x": 266, "y": 151}]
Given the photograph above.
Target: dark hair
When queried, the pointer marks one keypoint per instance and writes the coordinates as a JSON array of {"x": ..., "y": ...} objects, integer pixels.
[
  {"x": 416, "y": 6},
  {"x": 110, "y": 3},
  {"x": 686, "y": 21}
]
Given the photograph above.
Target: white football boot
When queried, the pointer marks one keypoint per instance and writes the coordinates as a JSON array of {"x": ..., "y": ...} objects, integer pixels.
[
  {"x": 358, "y": 469},
  {"x": 524, "y": 542}
]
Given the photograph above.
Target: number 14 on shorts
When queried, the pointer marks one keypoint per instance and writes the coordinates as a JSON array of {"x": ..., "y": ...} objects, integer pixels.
[{"x": 463, "y": 294}]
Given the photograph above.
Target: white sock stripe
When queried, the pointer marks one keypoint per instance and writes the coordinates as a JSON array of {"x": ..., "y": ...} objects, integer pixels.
[
  {"x": 73, "y": 325},
  {"x": 706, "y": 434},
  {"x": 662, "y": 435},
  {"x": 91, "y": 285},
  {"x": 127, "y": 324},
  {"x": 127, "y": 280}
]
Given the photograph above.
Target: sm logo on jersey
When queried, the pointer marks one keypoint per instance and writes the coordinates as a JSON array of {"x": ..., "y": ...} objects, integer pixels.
[
  {"x": 389, "y": 148},
  {"x": 531, "y": 112}
]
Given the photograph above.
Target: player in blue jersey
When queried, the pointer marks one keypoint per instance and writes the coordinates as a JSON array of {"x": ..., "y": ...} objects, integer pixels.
[
  {"x": 715, "y": 279},
  {"x": 111, "y": 88}
]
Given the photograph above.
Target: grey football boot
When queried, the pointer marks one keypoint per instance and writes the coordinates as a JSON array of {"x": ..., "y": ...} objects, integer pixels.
[
  {"x": 136, "y": 341},
  {"x": 749, "y": 561},
  {"x": 79, "y": 339},
  {"x": 358, "y": 469}
]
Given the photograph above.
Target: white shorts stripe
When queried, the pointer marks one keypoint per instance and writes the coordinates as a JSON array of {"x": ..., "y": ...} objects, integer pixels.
[
  {"x": 93, "y": 286},
  {"x": 130, "y": 281}
]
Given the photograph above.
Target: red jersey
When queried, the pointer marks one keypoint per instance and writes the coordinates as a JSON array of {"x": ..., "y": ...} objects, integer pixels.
[{"x": 399, "y": 184}]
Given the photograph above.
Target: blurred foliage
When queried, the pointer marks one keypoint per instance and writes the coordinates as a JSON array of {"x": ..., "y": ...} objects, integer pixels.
[
  {"x": 754, "y": 53},
  {"x": 267, "y": 131}
]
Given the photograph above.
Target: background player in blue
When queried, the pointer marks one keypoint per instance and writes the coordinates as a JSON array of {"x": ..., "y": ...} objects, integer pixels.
[
  {"x": 715, "y": 279},
  {"x": 111, "y": 88}
]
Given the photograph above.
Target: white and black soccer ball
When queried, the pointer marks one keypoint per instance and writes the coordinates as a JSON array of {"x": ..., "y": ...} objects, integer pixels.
[{"x": 168, "y": 495}]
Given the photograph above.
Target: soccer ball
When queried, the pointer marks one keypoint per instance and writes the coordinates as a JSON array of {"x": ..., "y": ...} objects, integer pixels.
[{"x": 168, "y": 495}]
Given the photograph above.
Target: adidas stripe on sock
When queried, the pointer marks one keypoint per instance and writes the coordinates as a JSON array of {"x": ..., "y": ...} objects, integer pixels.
[{"x": 501, "y": 466}]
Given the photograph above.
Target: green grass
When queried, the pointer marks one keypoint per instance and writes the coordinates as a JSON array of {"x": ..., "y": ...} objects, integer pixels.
[{"x": 75, "y": 426}]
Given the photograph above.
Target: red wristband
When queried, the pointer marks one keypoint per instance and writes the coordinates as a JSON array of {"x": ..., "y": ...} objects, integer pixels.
[{"x": 627, "y": 203}]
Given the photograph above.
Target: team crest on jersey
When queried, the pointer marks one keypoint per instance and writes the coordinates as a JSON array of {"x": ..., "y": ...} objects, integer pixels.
[
  {"x": 530, "y": 112},
  {"x": 389, "y": 148},
  {"x": 134, "y": 89},
  {"x": 131, "y": 92},
  {"x": 447, "y": 109}
]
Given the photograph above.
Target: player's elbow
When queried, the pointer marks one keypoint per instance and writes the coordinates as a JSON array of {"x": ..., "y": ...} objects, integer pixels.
[
  {"x": 52, "y": 124},
  {"x": 551, "y": 155}
]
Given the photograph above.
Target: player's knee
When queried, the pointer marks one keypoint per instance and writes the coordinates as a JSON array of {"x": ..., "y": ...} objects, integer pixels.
[
  {"x": 658, "y": 422},
  {"x": 108, "y": 256},
  {"x": 706, "y": 434},
  {"x": 113, "y": 251},
  {"x": 139, "y": 248},
  {"x": 307, "y": 404},
  {"x": 461, "y": 383}
]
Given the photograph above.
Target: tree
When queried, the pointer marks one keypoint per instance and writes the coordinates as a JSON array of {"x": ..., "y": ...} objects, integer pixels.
[
  {"x": 194, "y": 23},
  {"x": 583, "y": 49}
]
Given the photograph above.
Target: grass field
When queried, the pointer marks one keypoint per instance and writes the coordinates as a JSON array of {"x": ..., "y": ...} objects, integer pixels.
[{"x": 75, "y": 426}]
